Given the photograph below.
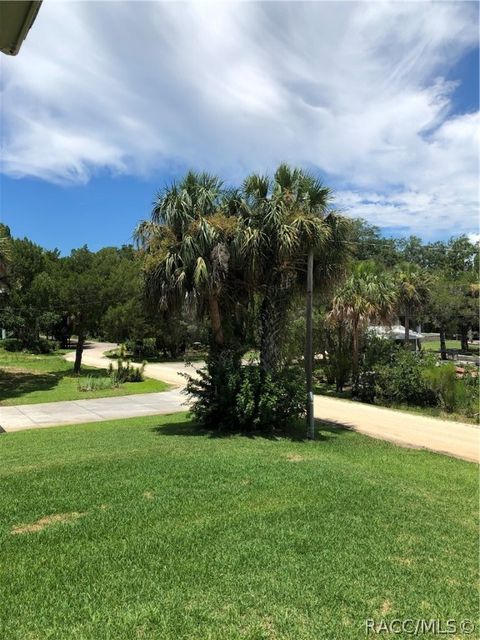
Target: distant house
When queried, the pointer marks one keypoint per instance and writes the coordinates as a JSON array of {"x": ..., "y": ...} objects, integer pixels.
[{"x": 397, "y": 332}]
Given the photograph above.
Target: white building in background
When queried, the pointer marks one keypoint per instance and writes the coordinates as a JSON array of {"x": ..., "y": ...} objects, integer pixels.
[{"x": 396, "y": 332}]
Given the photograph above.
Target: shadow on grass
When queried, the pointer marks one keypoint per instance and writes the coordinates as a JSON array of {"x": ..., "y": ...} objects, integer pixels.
[
  {"x": 324, "y": 431},
  {"x": 325, "y": 389},
  {"x": 16, "y": 384}
]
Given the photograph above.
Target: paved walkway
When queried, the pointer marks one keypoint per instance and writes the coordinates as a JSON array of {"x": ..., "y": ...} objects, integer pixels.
[
  {"x": 49, "y": 414},
  {"x": 406, "y": 429}
]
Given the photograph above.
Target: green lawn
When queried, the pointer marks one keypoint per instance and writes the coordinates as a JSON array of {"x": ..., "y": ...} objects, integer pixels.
[
  {"x": 434, "y": 345},
  {"x": 146, "y": 528},
  {"x": 27, "y": 379}
]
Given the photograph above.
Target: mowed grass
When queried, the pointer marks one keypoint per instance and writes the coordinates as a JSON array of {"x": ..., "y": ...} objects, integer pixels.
[
  {"x": 26, "y": 378},
  {"x": 434, "y": 345},
  {"x": 146, "y": 528}
]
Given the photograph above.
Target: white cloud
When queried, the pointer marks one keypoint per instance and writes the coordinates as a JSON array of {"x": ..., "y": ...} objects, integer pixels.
[{"x": 355, "y": 90}]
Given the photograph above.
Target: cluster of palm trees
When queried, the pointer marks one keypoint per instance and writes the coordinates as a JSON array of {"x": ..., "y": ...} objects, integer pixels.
[
  {"x": 239, "y": 257},
  {"x": 241, "y": 253},
  {"x": 372, "y": 294}
]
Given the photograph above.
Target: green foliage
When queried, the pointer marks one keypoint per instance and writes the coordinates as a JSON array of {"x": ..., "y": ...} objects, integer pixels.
[
  {"x": 413, "y": 290},
  {"x": 95, "y": 383},
  {"x": 12, "y": 344},
  {"x": 337, "y": 363},
  {"x": 370, "y": 244},
  {"x": 269, "y": 402},
  {"x": 403, "y": 381},
  {"x": 125, "y": 371},
  {"x": 38, "y": 345},
  {"x": 378, "y": 351},
  {"x": 215, "y": 389},
  {"x": 365, "y": 387},
  {"x": 379, "y": 355},
  {"x": 454, "y": 393},
  {"x": 229, "y": 397},
  {"x": 145, "y": 348}
]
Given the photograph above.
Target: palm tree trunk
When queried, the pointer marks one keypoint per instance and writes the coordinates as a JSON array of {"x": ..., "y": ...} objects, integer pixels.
[
  {"x": 78, "y": 352},
  {"x": 355, "y": 351},
  {"x": 215, "y": 320},
  {"x": 340, "y": 369},
  {"x": 407, "y": 329},
  {"x": 443, "y": 346},
  {"x": 272, "y": 321}
]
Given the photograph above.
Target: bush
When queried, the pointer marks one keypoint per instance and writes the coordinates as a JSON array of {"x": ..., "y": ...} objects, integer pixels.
[
  {"x": 215, "y": 389},
  {"x": 12, "y": 344},
  {"x": 376, "y": 377},
  {"x": 145, "y": 348},
  {"x": 269, "y": 402},
  {"x": 365, "y": 387},
  {"x": 42, "y": 345},
  {"x": 403, "y": 381},
  {"x": 453, "y": 393},
  {"x": 39, "y": 345},
  {"x": 125, "y": 371},
  {"x": 93, "y": 383},
  {"x": 338, "y": 367},
  {"x": 229, "y": 397},
  {"x": 379, "y": 351}
]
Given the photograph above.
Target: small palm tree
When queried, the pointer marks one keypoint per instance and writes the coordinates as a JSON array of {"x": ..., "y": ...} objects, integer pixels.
[
  {"x": 367, "y": 296},
  {"x": 413, "y": 292}
]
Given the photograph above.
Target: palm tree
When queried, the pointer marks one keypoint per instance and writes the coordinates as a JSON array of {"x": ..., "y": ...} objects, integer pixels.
[
  {"x": 186, "y": 248},
  {"x": 413, "y": 292},
  {"x": 367, "y": 296},
  {"x": 281, "y": 221}
]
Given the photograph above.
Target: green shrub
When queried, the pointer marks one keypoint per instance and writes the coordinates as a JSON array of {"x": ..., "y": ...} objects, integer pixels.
[
  {"x": 376, "y": 377},
  {"x": 378, "y": 351},
  {"x": 403, "y": 380},
  {"x": 365, "y": 387},
  {"x": 269, "y": 402},
  {"x": 94, "y": 383},
  {"x": 145, "y": 348},
  {"x": 214, "y": 390},
  {"x": 126, "y": 372},
  {"x": 453, "y": 393},
  {"x": 229, "y": 397},
  {"x": 12, "y": 344},
  {"x": 39, "y": 345},
  {"x": 338, "y": 367},
  {"x": 42, "y": 345}
]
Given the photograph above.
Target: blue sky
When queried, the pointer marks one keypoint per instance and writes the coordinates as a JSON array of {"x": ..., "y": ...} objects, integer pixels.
[{"x": 380, "y": 99}]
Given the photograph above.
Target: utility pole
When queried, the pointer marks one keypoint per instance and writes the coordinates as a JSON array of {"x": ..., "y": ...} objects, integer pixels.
[{"x": 309, "y": 348}]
